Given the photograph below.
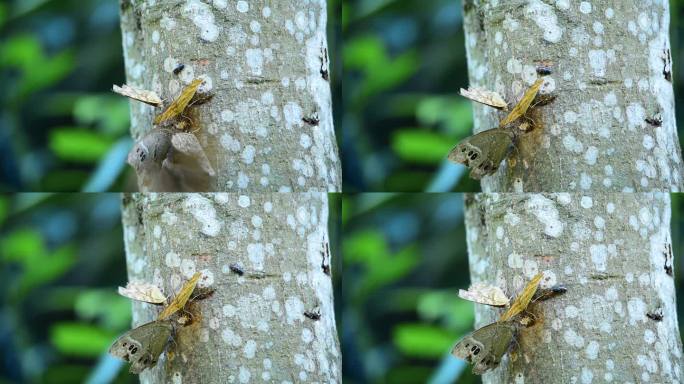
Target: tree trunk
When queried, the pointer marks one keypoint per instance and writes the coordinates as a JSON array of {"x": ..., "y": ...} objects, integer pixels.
[
  {"x": 612, "y": 124},
  {"x": 618, "y": 321},
  {"x": 253, "y": 328},
  {"x": 268, "y": 126}
]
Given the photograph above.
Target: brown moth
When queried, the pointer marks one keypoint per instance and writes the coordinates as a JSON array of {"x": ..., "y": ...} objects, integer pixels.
[
  {"x": 483, "y": 152},
  {"x": 165, "y": 160},
  {"x": 142, "y": 346},
  {"x": 485, "y": 346}
]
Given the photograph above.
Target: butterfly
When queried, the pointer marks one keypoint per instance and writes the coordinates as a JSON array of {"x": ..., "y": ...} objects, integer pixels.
[
  {"x": 484, "y": 151},
  {"x": 485, "y": 346},
  {"x": 178, "y": 106},
  {"x": 141, "y": 346}
]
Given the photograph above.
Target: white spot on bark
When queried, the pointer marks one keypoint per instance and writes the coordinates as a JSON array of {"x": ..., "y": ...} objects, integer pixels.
[
  {"x": 585, "y": 7},
  {"x": 250, "y": 349},
  {"x": 172, "y": 260},
  {"x": 592, "y": 350},
  {"x": 545, "y": 18},
  {"x": 242, "y": 6},
  {"x": 201, "y": 15},
  {"x": 545, "y": 211},
  {"x": 203, "y": 211},
  {"x": 599, "y": 256},
  {"x": 294, "y": 309},
  {"x": 597, "y": 61}
]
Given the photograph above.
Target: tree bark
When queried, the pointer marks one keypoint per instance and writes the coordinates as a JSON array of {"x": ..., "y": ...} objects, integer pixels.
[
  {"x": 268, "y": 126},
  {"x": 613, "y": 253},
  {"x": 612, "y": 124},
  {"x": 253, "y": 328}
]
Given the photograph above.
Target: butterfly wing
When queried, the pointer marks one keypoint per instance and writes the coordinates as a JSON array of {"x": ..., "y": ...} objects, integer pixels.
[
  {"x": 183, "y": 295},
  {"x": 141, "y": 346},
  {"x": 485, "y": 346},
  {"x": 524, "y": 104},
  {"x": 523, "y": 299},
  {"x": 485, "y": 294},
  {"x": 180, "y": 103},
  {"x": 483, "y": 152},
  {"x": 485, "y": 97}
]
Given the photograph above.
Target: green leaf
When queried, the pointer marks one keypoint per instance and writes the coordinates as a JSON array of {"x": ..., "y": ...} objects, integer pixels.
[
  {"x": 78, "y": 145},
  {"x": 369, "y": 249},
  {"x": 455, "y": 313},
  {"x": 109, "y": 112},
  {"x": 454, "y": 114},
  {"x": 112, "y": 310},
  {"x": 22, "y": 244},
  {"x": 422, "y": 147},
  {"x": 81, "y": 340},
  {"x": 422, "y": 341}
]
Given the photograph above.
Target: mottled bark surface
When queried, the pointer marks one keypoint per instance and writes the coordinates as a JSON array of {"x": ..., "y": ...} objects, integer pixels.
[
  {"x": 613, "y": 253},
  {"x": 253, "y": 328},
  {"x": 612, "y": 125},
  {"x": 269, "y": 124}
]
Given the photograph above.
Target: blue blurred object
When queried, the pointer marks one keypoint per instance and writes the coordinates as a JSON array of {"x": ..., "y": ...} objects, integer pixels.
[
  {"x": 449, "y": 370},
  {"x": 110, "y": 167},
  {"x": 106, "y": 370},
  {"x": 446, "y": 178}
]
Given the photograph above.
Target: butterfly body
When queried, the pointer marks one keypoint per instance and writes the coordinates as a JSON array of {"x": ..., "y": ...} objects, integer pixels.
[
  {"x": 483, "y": 152},
  {"x": 142, "y": 346},
  {"x": 485, "y": 346}
]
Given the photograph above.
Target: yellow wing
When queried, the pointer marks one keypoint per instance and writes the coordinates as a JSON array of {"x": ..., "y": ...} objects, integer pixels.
[
  {"x": 524, "y": 103},
  {"x": 523, "y": 300},
  {"x": 178, "y": 106},
  {"x": 179, "y": 301}
]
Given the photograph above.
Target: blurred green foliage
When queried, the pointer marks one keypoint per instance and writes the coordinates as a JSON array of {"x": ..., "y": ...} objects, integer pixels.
[
  {"x": 61, "y": 129},
  {"x": 62, "y": 258},
  {"x": 404, "y": 258},
  {"x": 404, "y": 62}
]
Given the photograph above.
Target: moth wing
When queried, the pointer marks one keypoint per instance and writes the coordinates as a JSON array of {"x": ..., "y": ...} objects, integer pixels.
[
  {"x": 178, "y": 105},
  {"x": 183, "y": 295},
  {"x": 120, "y": 347},
  {"x": 188, "y": 145},
  {"x": 483, "y": 152},
  {"x": 485, "y": 346},
  {"x": 523, "y": 299},
  {"x": 141, "y": 346},
  {"x": 524, "y": 104},
  {"x": 145, "y": 96},
  {"x": 149, "y": 152},
  {"x": 156, "y": 342},
  {"x": 485, "y": 294},
  {"x": 140, "y": 291},
  {"x": 484, "y": 96}
]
